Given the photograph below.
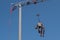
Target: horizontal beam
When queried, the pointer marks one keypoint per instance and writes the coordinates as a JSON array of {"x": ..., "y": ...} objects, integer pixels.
[{"x": 25, "y": 3}]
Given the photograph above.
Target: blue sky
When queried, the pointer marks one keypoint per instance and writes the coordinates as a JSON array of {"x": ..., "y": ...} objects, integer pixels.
[{"x": 49, "y": 15}]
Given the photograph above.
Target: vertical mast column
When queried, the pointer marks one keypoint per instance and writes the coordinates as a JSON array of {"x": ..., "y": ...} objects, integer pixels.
[{"x": 20, "y": 22}]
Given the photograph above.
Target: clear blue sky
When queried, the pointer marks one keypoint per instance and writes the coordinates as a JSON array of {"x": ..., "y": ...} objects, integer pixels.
[{"x": 50, "y": 17}]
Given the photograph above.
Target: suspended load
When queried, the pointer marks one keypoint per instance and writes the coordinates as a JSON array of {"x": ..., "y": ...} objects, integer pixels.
[{"x": 40, "y": 27}]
